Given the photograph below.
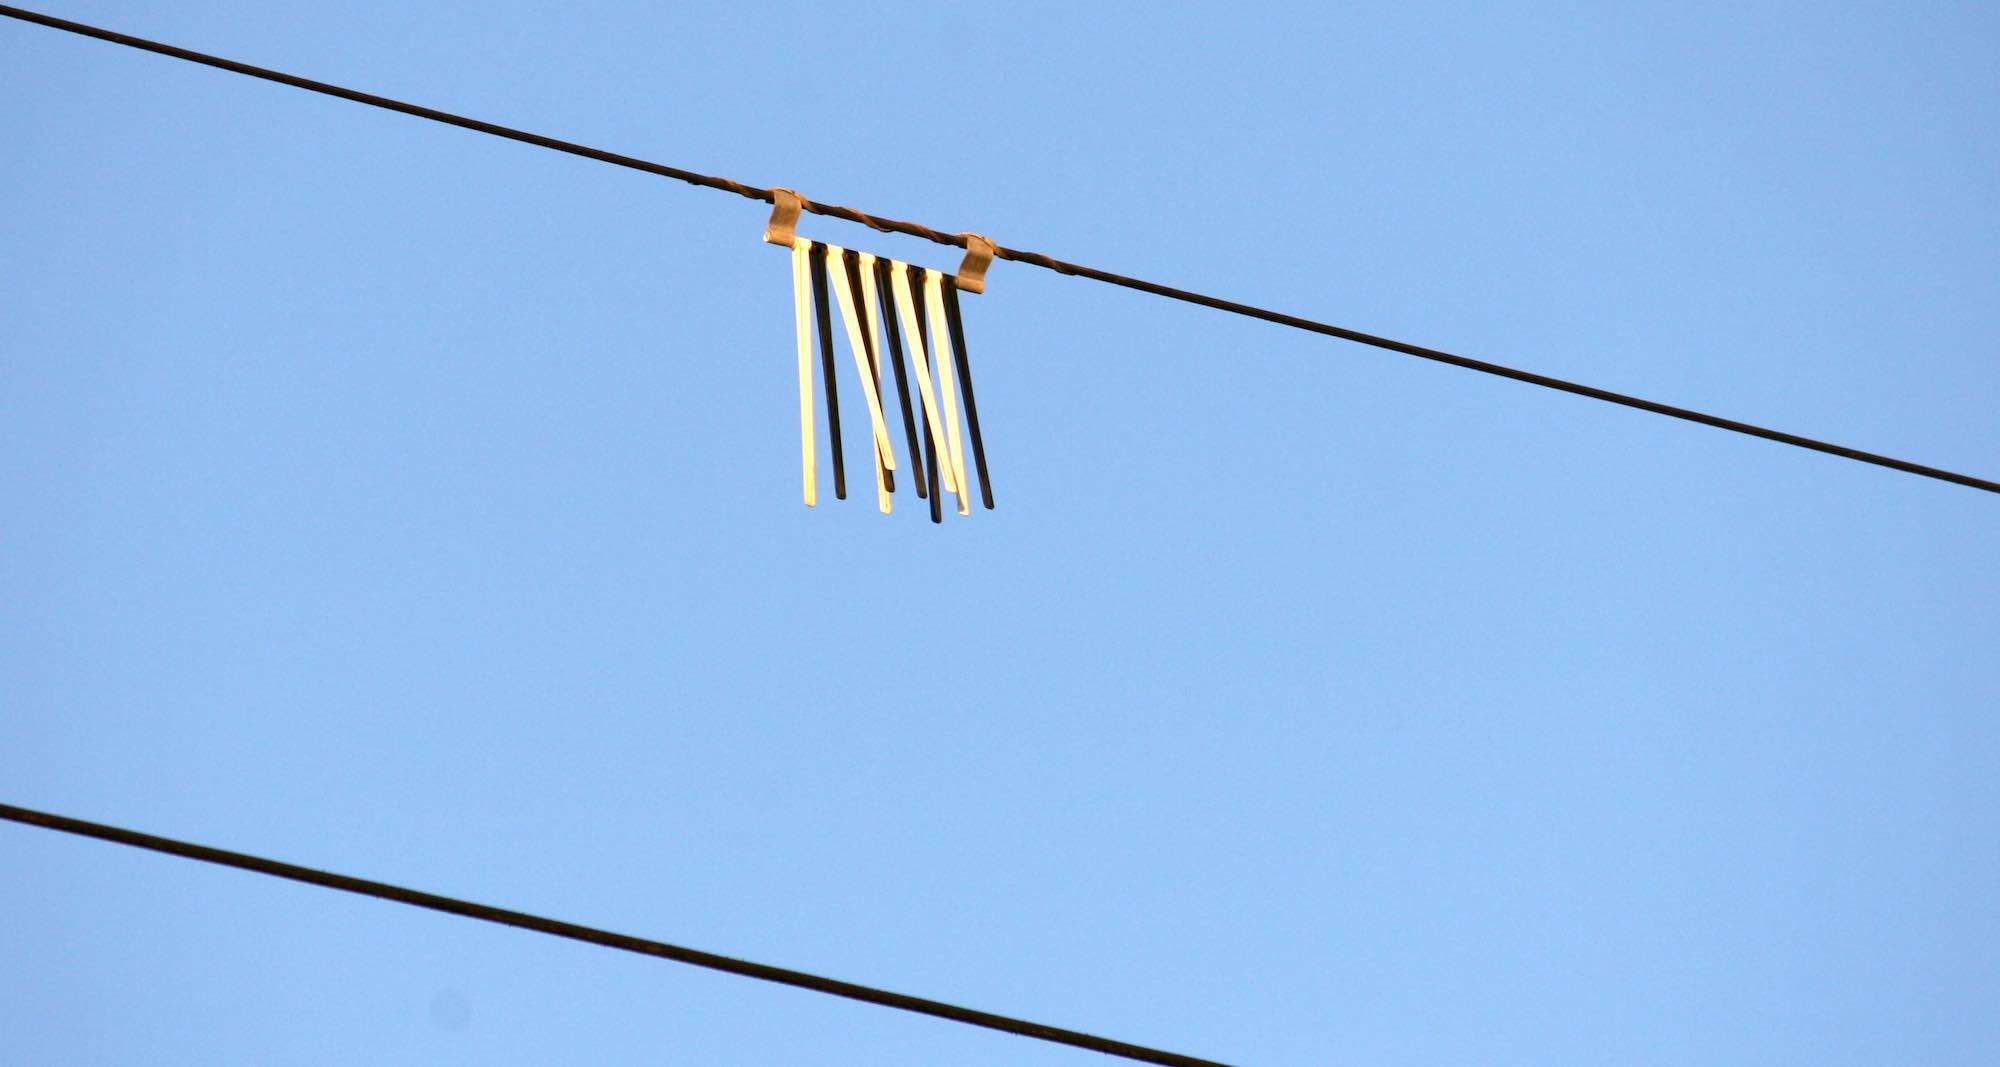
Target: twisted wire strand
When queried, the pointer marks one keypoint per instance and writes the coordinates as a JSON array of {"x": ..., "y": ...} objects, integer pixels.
[{"x": 592, "y": 935}]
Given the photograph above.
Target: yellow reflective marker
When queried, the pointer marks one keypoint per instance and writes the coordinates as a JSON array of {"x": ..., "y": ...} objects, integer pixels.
[
  {"x": 872, "y": 325},
  {"x": 870, "y": 300},
  {"x": 802, "y": 316},
  {"x": 906, "y": 311},
  {"x": 850, "y": 319},
  {"x": 948, "y": 384}
]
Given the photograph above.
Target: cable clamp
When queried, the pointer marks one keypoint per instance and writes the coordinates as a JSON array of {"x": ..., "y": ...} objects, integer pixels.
[
  {"x": 979, "y": 252},
  {"x": 784, "y": 224}
]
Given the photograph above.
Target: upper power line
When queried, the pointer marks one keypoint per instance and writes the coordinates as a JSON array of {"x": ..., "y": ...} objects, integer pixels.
[
  {"x": 626, "y": 942},
  {"x": 889, "y": 225}
]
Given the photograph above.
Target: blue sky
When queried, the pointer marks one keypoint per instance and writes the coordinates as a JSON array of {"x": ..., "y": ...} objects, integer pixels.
[{"x": 396, "y": 500}]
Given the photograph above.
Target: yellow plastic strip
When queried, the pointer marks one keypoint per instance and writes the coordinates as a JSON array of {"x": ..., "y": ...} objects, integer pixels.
[
  {"x": 871, "y": 300},
  {"x": 836, "y": 269},
  {"x": 871, "y": 324},
  {"x": 802, "y": 316},
  {"x": 851, "y": 319},
  {"x": 947, "y": 382},
  {"x": 906, "y": 311}
]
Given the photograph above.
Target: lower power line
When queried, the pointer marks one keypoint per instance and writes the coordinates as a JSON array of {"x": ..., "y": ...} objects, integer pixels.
[{"x": 625, "y": 942}]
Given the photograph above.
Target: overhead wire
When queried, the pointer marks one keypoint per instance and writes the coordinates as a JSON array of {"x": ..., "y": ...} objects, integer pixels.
[
  {"x": 592, "y": 935},
  {"x": 880, "y": 223},
  {"x": 889, "y": 225}
]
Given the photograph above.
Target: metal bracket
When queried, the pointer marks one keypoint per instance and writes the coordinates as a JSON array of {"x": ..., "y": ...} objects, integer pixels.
[
  {"x": 971, "y": 275},
  {"x": 784, "y": 224}
]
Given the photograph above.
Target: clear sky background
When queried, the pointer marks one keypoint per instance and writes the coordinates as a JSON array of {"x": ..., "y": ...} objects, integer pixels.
[{"x": 392, "y": 499}]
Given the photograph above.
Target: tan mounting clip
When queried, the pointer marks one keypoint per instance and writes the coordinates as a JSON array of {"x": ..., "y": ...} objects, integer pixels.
[
  {"x": 785, "y": 208},
  {"x": 971, "y": 275}
]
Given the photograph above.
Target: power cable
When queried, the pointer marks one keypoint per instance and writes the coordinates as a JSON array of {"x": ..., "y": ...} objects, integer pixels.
[
  {"x": 888, "y": 225},
  {"x": 626, "y": 942}
]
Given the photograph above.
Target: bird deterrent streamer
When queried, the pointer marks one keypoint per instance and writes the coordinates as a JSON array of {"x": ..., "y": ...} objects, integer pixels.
[{"x": 915, "y": 308}]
